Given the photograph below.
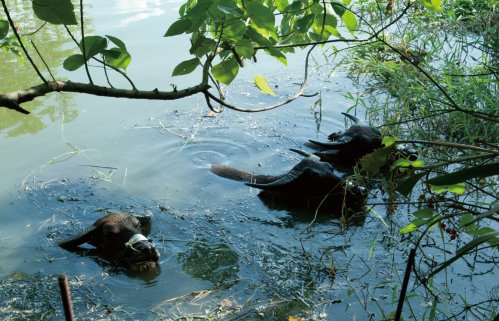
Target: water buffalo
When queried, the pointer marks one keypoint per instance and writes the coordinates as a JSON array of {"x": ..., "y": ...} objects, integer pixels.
[
  {"x": 347, "y": 147},
  {"x": 120, "y": 238},
  {"x": 310, "y": 181}
]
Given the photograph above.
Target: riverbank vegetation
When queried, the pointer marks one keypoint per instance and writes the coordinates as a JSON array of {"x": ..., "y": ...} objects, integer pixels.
[{"x": 427, "y": 70}]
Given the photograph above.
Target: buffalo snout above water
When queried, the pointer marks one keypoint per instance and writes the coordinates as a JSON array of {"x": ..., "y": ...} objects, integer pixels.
[{"x": 122, "y": 239}]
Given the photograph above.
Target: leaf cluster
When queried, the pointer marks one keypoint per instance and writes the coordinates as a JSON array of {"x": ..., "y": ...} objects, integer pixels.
[{"x": 235, "y": 30}]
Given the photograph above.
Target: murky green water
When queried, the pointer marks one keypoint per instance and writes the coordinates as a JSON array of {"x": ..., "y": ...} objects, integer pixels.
[{"x": 224, "y": 254}]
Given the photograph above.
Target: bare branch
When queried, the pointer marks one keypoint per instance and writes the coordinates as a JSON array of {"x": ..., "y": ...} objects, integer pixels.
[{"x": 14, "y": 99}]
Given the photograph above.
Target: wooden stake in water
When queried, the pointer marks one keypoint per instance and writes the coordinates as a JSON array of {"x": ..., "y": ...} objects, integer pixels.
[{"x": 66, "y": 298}]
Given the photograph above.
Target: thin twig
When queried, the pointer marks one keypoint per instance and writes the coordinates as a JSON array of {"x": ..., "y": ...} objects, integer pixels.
[
  {"x": 43, "y": 60},
  {"x": 82, "y": 26}
]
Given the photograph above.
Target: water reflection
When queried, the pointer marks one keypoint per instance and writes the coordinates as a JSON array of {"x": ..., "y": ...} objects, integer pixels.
[
  {"x": 52, "y": 42},
  {"x": 138, "y": 10}
]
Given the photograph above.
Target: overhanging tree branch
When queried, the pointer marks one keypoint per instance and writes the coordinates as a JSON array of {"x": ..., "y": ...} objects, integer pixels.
[{"x": 14, "y": 99}]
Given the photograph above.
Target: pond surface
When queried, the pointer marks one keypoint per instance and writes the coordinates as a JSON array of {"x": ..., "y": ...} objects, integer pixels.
[{"x": 224, "y": 253}]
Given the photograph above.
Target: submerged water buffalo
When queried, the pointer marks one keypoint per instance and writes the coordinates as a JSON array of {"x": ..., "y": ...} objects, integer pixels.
[
  {"x": 347, "y": 147},
  {"x": 122, "y": 239},
  {"x": 310, "y": 181}
]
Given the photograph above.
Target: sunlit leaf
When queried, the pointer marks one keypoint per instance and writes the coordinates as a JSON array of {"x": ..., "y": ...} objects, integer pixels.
[
  {"x": 226, "y": 71},
  {"x": 350, "y": 21},
  {"x": 93, "y": 45},
  {"x": 178, "y": 27},
  {"x": 186, "y": 67},
  {"x": 73, "y": 62},
  {"x": 455, "y": 188},
  {"x": 388, "y": 140},
  {"x": 411, "y": 227},
  {"x": 432, "y": 4},
  {"x": 261, "y": 16},
  {"x": 4, "y": 28},
  {"x": 466, "y": 174},
  {"x": 57, "y": 12},
  {"x": 277, "y": 55},
  {"x": 117, "y": 58},
  {"x": 281, "y": 4},
  {"x": 263, "y": 85}
]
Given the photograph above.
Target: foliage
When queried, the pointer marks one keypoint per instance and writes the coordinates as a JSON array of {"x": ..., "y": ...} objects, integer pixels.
[{"x": 441, "y": 95}]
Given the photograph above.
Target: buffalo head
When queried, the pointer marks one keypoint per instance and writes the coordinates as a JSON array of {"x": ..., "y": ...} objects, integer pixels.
[
  {"x": 347, "y": 147},
  {"x": 122, "y": 239}
]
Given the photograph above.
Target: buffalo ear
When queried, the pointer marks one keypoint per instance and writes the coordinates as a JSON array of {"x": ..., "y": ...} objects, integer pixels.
[
  {"x": 81, "y": 238},
  {"x": 145, "y": 222}
]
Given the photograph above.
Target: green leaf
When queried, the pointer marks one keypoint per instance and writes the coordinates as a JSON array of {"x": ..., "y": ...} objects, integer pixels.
[
  {"x": 483, "y": 230},
  {"x": 465, "y": 220},
  {"x": 432, "y": 4},
  {"x": 186, "y": 67},
  {"x": 455, "y": 188},
  {"x": 93, "y": 45},
  {"x": 117, "y": 58},
  {"x": 304, "y": 23},
  {"x": 202, "y": 45},
  {"x": 466, "y": 174},
  {"x": 261, "y": 16},
  {"x": 405, "y": 187},
  {"x": 117, "y": 42},
  {"x": 234, "y": 32},
  {"x": 295, "y": 7},
  {"x": 73, "y": 62},
  {"x": 4, "y": 28},
  {"x": 425, "y": 213},
  {"x": 232, "y": 10},
  {"x": 57, "y": 12},
  {"x": 226, "y": 71},
  {"x": 244, "y": 48},
  {"x": 263, "y": 85},
  {"x": 388, "y": 140},
  {"x": 179, "y": 27},
  {"x": 350, "y": 21},
  {"x": 476, "y": 242},
  {"x": 411, "y": 227},
  {"x": 281, "y": 4},
  {"x": 371, "y": 163},
  {"x": 338, "y": 8}
]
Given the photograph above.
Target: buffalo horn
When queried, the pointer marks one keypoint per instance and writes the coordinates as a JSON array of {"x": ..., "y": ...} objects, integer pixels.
[
  {"x": 145, "y": 222},
  {"x": 81, "y": 238},
  {"x": 345, "y": 140},
  {"x": 281, "y": 181}
]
